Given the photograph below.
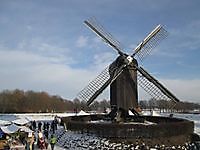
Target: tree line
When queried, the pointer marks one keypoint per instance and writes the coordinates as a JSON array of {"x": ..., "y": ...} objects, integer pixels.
[
  {"x": 20, "y": 101},
  {"x": 16, "y": 101},
  {"x": 169, "y": 106}
]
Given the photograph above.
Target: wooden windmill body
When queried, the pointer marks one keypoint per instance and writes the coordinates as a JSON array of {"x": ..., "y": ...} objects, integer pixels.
[{"x": 124, "y": 90}]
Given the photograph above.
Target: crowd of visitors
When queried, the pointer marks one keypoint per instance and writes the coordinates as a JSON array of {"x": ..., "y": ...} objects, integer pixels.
[{"x": 43, "y": 134}]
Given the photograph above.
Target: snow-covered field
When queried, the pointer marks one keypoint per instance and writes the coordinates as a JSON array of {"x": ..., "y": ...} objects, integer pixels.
[{"x": 76, "y": 140}]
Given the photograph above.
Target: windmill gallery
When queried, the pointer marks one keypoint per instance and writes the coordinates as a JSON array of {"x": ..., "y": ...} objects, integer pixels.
[{"x": 124, "y": 75}]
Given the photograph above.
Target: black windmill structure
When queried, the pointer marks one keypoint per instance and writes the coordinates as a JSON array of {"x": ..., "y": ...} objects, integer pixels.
[{"x": 124, "y": 74}]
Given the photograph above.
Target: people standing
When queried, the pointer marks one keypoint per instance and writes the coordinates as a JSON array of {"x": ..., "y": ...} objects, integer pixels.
[
  {"x": 53, "y": 141},
  {"x": 34, "y": 125},
  {"x": 42, "y": 144},
  {"x": 29, "y": 141},
  {"x": 46, "y": 133},
  {"x": 48, "y": 126},
  {"x": 39, "y": 138},
  {"x": 40, "y": 126},
  {"x": 53, "y": 126},
  {"x": 44, "y": 125},
  {"x": 27, "y": 145},
  {"x": 33, "y": 141}
]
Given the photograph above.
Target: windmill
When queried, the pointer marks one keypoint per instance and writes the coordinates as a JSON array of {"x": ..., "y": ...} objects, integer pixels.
[{"x": 124, "y": 74}]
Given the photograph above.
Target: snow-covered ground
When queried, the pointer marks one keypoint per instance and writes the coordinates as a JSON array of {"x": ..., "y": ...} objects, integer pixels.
[
  {"x": 34, "y": 116},
  {"x": 77, "y": 140}
]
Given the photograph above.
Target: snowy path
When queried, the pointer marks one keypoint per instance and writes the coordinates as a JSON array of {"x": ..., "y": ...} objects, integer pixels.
[{"x": 49, "y": 148}]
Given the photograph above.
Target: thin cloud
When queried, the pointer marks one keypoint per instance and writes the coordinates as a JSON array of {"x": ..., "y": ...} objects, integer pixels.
[
  {"x": 39, "y": 47},
  {"x": 82, "y": 41},
  {"x": 168, "y": 54},
  {"x": 186, "y": 90},
  {"x": 102, "y": 60},
  {"x": 30, "y": 71},
  {"x": 186, "y": 36}
]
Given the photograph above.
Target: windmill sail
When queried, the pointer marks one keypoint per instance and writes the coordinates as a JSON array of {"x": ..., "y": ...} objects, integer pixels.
[
  {"x": 112, "y": 72},
  {"x": 153, "y": 87},
  {"x": 96, "y": 87},
  {"x": 102, "y": 33},
  {"x": 150, "y": 42}
]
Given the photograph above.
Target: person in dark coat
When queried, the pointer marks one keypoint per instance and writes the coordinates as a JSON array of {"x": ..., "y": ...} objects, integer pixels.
[
  {"x": 48, "y": 126},
  {"x": 46, "y": 133},
  {"x": 39, "y": 126},
  {"x": 53, "y": 126},
  {"x": 34, "y": 125}
]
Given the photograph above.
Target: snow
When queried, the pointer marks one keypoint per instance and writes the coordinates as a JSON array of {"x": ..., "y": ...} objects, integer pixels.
[
  {"x": 26, "y": 129},
  {"x": 77, "y": 140},
  {"x": 21, "y": 121},
  {"x": 130, "y": 113},
  {"x": 154, "y": 113},
  {"x": 70, "y": 140},
  {"x": 151, "y": 113},
  {"x": 82, "y": 113},
  {"x": 4, "y": 123}
]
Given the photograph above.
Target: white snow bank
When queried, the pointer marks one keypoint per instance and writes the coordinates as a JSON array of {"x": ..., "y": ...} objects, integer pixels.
[
  {"x": 154, "y": 113},
  {"x": 130, "y": 113},
  {"x": 82, "y": 113}
]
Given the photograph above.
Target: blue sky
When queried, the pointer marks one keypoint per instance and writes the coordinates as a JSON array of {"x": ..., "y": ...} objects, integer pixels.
[{"x": 44, "y": 45}]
